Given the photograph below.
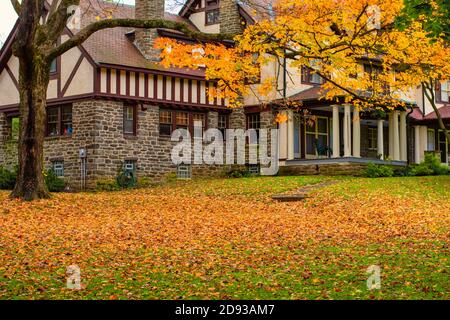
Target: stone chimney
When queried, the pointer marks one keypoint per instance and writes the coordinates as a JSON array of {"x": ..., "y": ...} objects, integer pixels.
[
  {"x": 145, "y": 38},
  {"x": 230, "y": 19}
]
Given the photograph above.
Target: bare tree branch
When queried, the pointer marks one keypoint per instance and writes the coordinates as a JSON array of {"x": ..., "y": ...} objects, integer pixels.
[
  {"x": 427, "y": 88},
  {"x": 85, "y": 33},
  {"x": 17, "y": 6},
  {"x": 58, "y": 16}
]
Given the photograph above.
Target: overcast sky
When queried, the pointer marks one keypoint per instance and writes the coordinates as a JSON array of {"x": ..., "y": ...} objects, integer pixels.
[{"x": 8, "y": 16}]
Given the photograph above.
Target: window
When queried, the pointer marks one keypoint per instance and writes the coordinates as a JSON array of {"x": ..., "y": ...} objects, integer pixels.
[
  {"x": 374, "y": 71},
  {"x": 310, "y": 77},
  {"x": 170, "y": 120},
  {"x": 212, "y": 13},
  {"x": 253, "y": 121},
  {"x": 165, "y": 122},
  {"x": 182, "y": 119},
  {"x": 66, "y": 120},
  {"x": 443, "y": 92},
  {"x": 52, "y": 122},
  {"x": 372, "y": 138},
  {"x": 431, "y": 145},
  {"x": 316, "y": 136},
  {"x": 129, "y": 120},
  {"x": 15, "y": 126},
  {"x": 222, "y": 124},
  {"x": 212, "y": 16},
  {"x": 58, "y": 168},
  {"x": 184, "y": 171},
  {"x": 253, "y": 169},
  {"x": 54, "y": 67},
  {"x": 59, "y": 121}
]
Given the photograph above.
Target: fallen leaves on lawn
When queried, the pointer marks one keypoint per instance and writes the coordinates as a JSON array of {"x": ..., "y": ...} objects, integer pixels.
[{"x": 166, "y": 231}]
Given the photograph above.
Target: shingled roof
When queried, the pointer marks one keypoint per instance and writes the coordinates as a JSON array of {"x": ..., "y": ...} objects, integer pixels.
[{"x": 115, "y": 46}]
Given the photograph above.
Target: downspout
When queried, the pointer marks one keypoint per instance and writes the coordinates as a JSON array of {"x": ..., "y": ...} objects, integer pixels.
[
  {"x": 408, "y": 123},
  {"x": 284, "y": 77}
]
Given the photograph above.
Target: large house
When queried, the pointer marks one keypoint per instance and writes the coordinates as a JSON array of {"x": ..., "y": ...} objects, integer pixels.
[{"x": 111, "y": 99}]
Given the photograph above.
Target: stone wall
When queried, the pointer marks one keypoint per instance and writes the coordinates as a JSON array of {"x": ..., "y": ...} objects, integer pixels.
[
  {"x": 335, "y": 169},
  {"x": 145, "y": 38},
  {"x": 8, "y": 146},
  {"x": 98, "y": 128},
  {"x": 230, "y": 19}
]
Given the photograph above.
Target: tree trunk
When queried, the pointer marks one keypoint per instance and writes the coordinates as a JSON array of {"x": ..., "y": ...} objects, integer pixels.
[
  {"x": 33, "y": 82},
  {"x": 428, "y": 89}
]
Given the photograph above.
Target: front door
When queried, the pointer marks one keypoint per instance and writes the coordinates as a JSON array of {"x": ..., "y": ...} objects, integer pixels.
[{"x": 316, "y": 138}]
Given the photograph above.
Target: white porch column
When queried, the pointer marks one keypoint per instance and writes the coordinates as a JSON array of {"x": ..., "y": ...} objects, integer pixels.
[
  {"x": 356, "y": 134},
  {"x": 290, "y": 135},
  {"x": 283, "y": 139},
  {"x": 417, "y": 144},
  {"x": 336, "y": 140},
  {"x": 403, "y": 142},
  {"x": 395, "y": 136},
  {"x": 391, "y": 135},
  {"x": 380, "y": 139},
  {"x": 423, "y": 141},
  {"x": 347, "y": 132}
]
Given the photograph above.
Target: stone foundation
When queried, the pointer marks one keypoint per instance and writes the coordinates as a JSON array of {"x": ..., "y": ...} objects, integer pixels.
[{"x": 335, "y": 169}]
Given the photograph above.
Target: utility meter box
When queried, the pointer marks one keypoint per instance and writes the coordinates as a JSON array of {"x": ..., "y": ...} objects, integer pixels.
[{"x": 83, "y": 153}]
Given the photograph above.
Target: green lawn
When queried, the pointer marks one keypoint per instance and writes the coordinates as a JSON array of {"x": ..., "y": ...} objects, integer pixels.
[{"x": 227, "y": 239}]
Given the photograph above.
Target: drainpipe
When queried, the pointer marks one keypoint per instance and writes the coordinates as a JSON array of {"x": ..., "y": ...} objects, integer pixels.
[
  {"x": 284, "y": 76},
  {"x": 408, "y": 123}
]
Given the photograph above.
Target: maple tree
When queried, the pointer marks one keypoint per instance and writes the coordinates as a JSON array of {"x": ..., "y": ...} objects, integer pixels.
[{"x": 333, "y": 39}]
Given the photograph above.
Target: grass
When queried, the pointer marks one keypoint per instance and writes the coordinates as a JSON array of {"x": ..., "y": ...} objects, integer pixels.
[{"x": 226, "y": 239}]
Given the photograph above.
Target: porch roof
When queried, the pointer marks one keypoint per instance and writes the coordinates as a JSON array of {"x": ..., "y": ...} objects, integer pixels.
[{"x": 418, "y": 115}]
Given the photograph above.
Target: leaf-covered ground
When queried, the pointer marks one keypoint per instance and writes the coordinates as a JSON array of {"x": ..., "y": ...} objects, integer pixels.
[{"x": 226, "y": 239}]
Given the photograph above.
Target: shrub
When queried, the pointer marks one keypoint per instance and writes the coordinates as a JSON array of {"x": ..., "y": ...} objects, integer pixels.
[
  {"x": 106, "y": 185},
  {"x": 237, "y": 173},
  {"x": 144, "y": 182},
  {"x": 403, "y": 172},
  {"x": 7, "y": 178},
  {"x": 53, "y": 182},
  {"x": 378, "y": 171},
  {"x": 430, "y": 166}
]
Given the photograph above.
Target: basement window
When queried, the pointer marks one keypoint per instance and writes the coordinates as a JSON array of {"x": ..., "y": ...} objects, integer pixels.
[
  {"x": 58, "y": 168},
  {"x": 184, "y": 172},
  {"x": 130, "y": 167},
  {"x": 253, "y": 169}
]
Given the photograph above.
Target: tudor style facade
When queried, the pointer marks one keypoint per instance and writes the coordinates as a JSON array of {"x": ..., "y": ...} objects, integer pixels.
[{"x": 112, "y": 99}]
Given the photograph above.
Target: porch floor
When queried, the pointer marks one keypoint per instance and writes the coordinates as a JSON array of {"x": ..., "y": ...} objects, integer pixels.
[{"x": 297, "y": 162}]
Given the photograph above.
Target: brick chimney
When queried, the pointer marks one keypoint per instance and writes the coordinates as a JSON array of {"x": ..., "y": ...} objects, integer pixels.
[
  {"x": 144, "y": 38},
  {"x": 230, "y": 19}
]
